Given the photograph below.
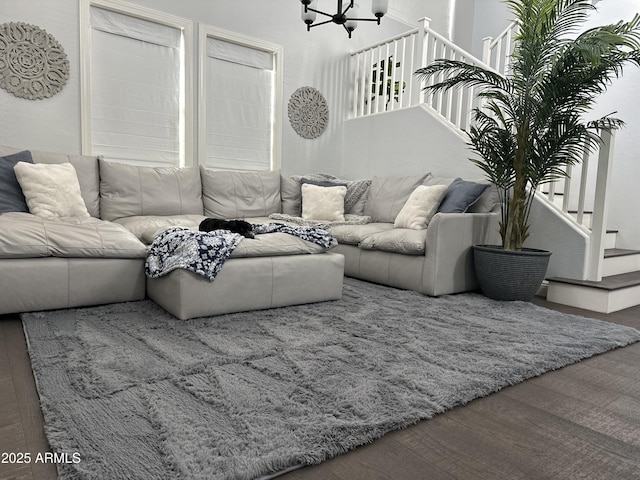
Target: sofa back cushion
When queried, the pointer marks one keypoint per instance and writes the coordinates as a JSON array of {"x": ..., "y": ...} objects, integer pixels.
[
  {"x": 291, "y": 194},
  {"x": 489, "y": 201},
  {"x": 387, "y": 196},
  {"x": 128, "y": 190},
  {"x": 86, "y": 168},
  {"x": 228, "y": 194}
]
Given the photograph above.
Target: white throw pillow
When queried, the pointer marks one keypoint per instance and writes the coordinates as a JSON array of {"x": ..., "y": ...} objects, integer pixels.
[
  {"x": 420, "y": 207},
  {"x": 51, "y": 190},
  {"x": 323, "y": 203}
]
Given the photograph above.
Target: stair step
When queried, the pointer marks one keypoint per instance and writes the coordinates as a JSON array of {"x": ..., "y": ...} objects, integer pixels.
[
  {"x": 619, "y": 252},
  {"x": 613, "y": 293},
  {"x": 611, "y": 239},
  {"x": 613, "y": 282},
  {"x": 619, "y": 260}
]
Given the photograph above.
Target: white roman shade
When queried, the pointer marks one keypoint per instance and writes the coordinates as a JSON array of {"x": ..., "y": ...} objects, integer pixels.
[
  {"x": 239, "y": 106},
  {"x": 136, "y": 89}
]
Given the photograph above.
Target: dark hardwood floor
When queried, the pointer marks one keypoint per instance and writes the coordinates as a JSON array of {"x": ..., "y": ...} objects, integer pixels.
[{"x": 579, "y": 422}]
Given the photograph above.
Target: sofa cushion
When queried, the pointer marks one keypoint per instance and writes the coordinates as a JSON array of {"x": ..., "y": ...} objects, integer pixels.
[
  {"x": 421, "y": 205},
  {"x": 487, "y": 202},
  {"x": 146, "y": 227},
  {"x": 23, "y": 235},
  {"x": 398, "y": 240},
  {"x": 461, "y": 194},
  {"x": 354, "y": 234},
  {"x": 323, "y": 203},
  {"x": 291, "y": 196},
  {"x": 232, "y": 195},
  {"x": 86, "y": 168},
  {"x": 128, "y": 190},
  {"x": 51, "y": 190},
  {"x": 11, "y": 196},
  {"x": 387, "y": 196},
  {"x": 272, "y": 244}
]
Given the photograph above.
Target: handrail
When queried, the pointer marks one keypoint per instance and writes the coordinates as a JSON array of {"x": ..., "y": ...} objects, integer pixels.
[
  {"x": 470, "y": 58},
  {"x": 497, "y": 52},
  {"x": 388, "y": 40},
  {"x": 507, "y": 31}
]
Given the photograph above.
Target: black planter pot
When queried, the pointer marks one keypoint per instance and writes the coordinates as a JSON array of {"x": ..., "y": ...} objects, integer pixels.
[{"x": 509, "y": 275}]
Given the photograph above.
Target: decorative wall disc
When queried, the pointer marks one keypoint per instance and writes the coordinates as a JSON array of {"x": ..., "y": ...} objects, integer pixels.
[
  {"x": 308, "y": 112},
  {"x": 33, "y": 64}
]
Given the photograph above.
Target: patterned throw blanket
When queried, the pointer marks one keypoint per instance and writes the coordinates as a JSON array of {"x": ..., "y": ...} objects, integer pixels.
[
  {"x": 204, "y": 253},
  {"x": 349, "y": 219}
]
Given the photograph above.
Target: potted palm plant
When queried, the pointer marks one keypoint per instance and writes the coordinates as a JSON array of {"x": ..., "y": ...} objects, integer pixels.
[{"x": 530, "y": 124}]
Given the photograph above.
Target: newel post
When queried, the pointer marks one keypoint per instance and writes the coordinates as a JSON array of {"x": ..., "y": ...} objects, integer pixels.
[
  {"x": 420, "y": 59},
  {"x": 600, "y": 207},
  {"x": 486, "y": 50}
]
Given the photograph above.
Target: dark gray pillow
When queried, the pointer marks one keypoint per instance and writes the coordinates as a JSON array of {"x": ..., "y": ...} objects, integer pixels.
[
  {"x": 11, "y": 197},
  {"x": 323, "y": 183},
  {"x": 460, "y": 195}
]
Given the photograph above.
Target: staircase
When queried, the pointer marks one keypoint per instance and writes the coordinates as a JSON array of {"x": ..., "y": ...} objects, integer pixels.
[
  {"x": 603, "y": 278},
  {"x": 618, "y": 285}
]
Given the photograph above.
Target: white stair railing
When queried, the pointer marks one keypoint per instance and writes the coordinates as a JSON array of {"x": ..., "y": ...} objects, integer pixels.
[
  {"x": 384, "y": 81},
  {"x": 496, "y": 52}
]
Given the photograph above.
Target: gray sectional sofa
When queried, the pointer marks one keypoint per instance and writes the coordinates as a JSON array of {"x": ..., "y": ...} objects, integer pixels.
[{"x": 49, "y": 263}]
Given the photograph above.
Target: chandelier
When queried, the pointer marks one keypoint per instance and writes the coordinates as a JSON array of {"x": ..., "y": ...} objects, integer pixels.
[{"x": 348, "y": 17}]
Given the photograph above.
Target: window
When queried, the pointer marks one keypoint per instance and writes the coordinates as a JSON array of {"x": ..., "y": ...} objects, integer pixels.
[
  {"x": 135, "y": 97},
  {"x": 241, "y": 94}
]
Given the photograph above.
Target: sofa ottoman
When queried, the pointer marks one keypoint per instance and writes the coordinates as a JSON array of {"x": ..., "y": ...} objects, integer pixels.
[{"x": 251, "y": 283}]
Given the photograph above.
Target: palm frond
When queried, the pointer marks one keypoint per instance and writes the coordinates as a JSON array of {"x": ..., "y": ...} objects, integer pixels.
[{"x": 458, "y": 73}]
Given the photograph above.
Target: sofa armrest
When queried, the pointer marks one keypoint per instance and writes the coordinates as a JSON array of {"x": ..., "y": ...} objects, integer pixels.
[{"x": 448, "y": 266}]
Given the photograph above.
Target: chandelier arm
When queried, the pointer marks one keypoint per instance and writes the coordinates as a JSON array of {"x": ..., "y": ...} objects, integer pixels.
[
  {"x": 349, "y": 6},
  {"x": 363, "y": 19},
  {"x": 321, "y": 23},
  {"x": 320, "y": 12}
]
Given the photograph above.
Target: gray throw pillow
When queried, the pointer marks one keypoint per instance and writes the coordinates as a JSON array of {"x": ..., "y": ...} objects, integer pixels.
[
  {"x": 460, "y": 195},
  {"x": 322, "y": 183},
  {"x": 11, "y": 196}
]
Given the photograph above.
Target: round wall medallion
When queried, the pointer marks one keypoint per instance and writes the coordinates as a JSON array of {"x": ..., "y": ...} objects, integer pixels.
[
  {"x": 308, "y": 112},
  {"x": 33, "y": 64}
]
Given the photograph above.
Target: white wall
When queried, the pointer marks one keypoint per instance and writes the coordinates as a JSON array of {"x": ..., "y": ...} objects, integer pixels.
[
  {"x": 490, "y": 18},
  {"x": 410, "y": 11},
  {"x": 404, "y": 142},
  {"x": 313, "y": 59}
]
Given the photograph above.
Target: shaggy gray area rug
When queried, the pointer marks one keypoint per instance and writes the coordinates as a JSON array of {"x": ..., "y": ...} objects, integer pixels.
[{"x": 141, "y": 395}]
